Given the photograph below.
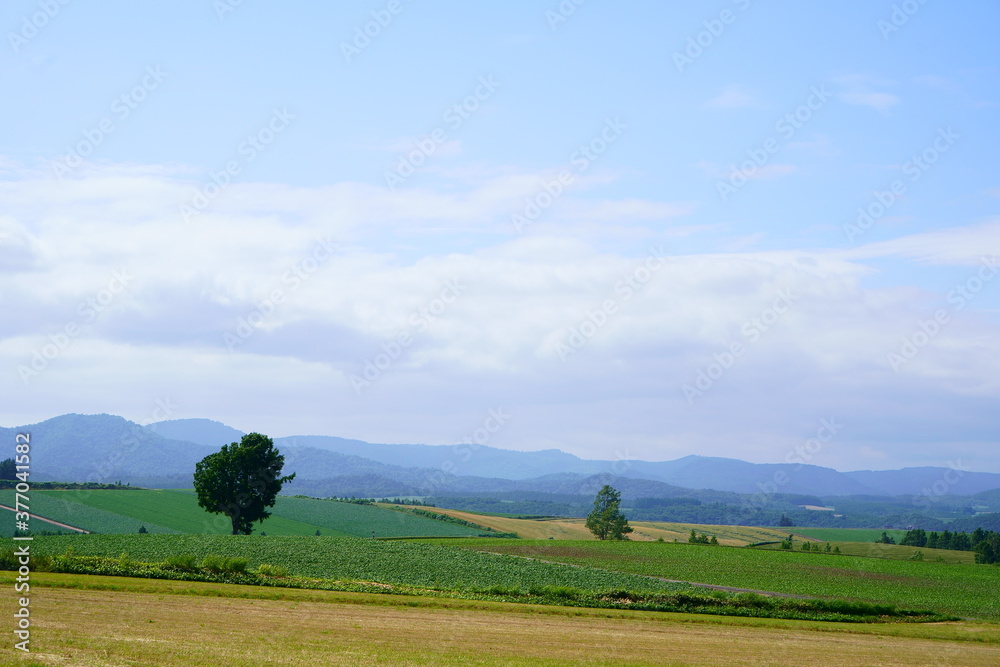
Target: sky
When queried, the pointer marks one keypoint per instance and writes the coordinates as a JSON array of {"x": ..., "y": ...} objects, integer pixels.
[{"x": 637, "y": 230}]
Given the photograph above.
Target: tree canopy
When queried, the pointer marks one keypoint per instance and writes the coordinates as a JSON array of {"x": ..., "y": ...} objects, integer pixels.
[
  {"x": 607, "y": 521},
  {"x": 241, "y": 481}
]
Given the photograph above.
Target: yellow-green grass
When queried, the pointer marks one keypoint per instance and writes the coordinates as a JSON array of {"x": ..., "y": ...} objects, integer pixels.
[
  {"x": 104, "y": 621},
  {"x": 891, "y": 551},
  {"x": 737, "y": 536},
  {"x": 961, "y": 589},
  {"x": 575, "y": 529}
]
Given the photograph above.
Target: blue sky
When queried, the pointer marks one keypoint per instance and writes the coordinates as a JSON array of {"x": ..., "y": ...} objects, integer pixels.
[{"x": 632, "y": 227}]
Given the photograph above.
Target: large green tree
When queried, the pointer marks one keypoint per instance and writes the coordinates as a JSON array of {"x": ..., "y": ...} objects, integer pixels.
[
  {"x": 7, "y": 469},
  {"x": 241, "y": 481},
  {"x": 606, "y": 521}
]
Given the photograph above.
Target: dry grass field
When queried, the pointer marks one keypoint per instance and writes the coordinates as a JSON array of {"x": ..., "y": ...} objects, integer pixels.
[
  {"x": 103, "y": 621},
  {"x": 574, "y": 529}
]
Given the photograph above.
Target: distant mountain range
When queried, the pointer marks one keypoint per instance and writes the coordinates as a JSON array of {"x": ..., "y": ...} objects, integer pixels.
[{"x": 106, "y": 448}]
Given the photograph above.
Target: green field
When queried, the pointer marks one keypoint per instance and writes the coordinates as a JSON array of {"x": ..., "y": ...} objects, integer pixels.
[
  {"x": 847, "y": 534},
  {"x": 390, "y": 562},
  {"x": 184, "y": 624},
  {"x": 361, "y": 520},
  {"x": 964, "y": 590},
  {"x": 891, "y": 551},
  {"x": 177, "y": 511},
  {"x": 66, "y": 507}
]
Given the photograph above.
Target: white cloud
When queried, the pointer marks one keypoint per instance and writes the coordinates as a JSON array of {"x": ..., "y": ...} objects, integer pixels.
[
  {"x": 862, "y": 90},
  {"x": 733, "y": 97},
  {"x": 496, "y": 343}
]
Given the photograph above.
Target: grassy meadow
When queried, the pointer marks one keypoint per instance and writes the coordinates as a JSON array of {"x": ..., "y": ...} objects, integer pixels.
[
  {"x": 180, "y": 624},
  {"x": 420, "y": 599},
  {"x": 962, "y": 589}
]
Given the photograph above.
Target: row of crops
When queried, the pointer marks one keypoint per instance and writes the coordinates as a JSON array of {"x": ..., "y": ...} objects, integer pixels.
[
  {"x": 66, "y": 507},
  {"x": 390, "y": 562},
  {"x": 963, "y": 589},
  {"x": 361, "y": 520}
]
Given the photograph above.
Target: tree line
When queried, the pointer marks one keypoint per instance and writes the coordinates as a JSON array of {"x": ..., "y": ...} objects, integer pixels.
[{"x": 985, "y": 543}]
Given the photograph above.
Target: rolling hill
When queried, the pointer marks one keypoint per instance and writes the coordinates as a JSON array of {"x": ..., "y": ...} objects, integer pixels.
[{"x": 106, "y": 448}]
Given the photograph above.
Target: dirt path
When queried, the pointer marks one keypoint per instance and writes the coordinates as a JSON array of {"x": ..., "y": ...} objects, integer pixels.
[{"x": 54, "y": 523}]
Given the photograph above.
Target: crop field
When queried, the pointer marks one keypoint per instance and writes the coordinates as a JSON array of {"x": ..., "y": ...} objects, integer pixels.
[
  {"x": 177, "y": 511},
  {"x": 185, "y": 624},
  {"x": 964, "y": 590},
  {"x": 361, "y": 520},
  {"x": 174, "y": 511},
  {"x": 736, "y": 536},
  {"x": 574, "y": 529},
  {"x": 390, "y": 562},
  {"x": 893, "y": 551},
  {"x": 533, "y": 529},
  {"x": 66, "y": 507},
  {"x": 847, "y": 534}
]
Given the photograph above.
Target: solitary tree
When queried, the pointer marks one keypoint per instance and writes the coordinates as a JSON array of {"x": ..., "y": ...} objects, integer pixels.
[
  {"x": 606, "y": 521},
  {"x": 241, "y": 481},
  {"x": 8, "y": 469}
]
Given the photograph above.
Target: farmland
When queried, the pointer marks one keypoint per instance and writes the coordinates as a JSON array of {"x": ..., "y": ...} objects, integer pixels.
[
  {"x": 965, "y": 590},
  {"x": 895, "y": 552},
  {"x": 177, "y": 624},
  {"x": 574, "y": 529},
  {"x": 391, "y": 562},
  {"x": 66, "y": 507},
  {"x": 847, "y": 534},
  {"x": 175, "y": 511}
]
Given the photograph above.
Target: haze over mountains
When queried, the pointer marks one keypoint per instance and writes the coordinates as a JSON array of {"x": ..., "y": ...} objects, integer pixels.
[{"x": 106, "y": 448}]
